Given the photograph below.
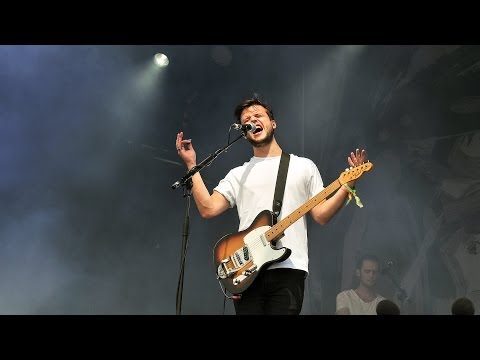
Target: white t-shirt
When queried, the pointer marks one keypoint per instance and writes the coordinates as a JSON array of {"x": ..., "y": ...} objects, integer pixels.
[
  {"x": 350, "y": 299},
  {"x": 251, "y": 187}
]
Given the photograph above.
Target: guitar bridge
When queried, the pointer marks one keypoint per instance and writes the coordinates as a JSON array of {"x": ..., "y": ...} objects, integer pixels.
[{"x": 229, "y": 266}]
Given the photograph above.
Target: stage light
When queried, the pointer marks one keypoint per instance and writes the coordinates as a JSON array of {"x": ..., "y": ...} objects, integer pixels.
[{"x": 161, "y": 60}]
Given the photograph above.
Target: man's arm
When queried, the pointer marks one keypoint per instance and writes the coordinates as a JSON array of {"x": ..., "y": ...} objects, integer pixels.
[
  {"x": 343, "y": 311},
  {"x": 326, "y": 210},
  {"x": 342, "y": 304},
  {"x": 208, "y": 205}
]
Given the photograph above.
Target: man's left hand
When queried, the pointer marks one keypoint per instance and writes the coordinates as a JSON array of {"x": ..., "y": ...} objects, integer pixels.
[{"x": 357, "y": 158}]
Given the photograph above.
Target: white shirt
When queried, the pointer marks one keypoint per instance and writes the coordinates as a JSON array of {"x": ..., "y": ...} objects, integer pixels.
[
  {"x": 251, "y": 187},
  {"x": 350, "y": 299}
]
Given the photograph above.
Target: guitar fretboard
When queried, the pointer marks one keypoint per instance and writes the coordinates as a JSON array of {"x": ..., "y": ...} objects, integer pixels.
[{"x": 281, "y": 226}]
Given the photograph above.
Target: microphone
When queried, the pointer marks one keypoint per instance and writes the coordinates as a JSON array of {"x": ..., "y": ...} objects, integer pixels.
[{"x": 245, "y": 127}]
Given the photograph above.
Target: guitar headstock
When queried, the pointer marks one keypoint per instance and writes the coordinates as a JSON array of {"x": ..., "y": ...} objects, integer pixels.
[{"x": 355, "y": 172}]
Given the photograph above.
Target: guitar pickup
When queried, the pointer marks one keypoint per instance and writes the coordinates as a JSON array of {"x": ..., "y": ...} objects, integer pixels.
[
  {"x": 246, "y": 254},
  {"x": 239, "y": 259}
]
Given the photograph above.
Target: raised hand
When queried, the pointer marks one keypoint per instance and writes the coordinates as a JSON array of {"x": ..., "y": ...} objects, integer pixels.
[
  {"x": 186, "y": 151},
  {"x": 357, "y": 158}
]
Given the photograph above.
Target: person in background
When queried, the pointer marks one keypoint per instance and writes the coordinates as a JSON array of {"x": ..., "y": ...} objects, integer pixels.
[{"x": 362, "y": 300}]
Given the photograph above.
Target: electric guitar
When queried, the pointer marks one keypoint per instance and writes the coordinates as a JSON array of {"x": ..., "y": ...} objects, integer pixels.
[{"x": 239, "y": 257}]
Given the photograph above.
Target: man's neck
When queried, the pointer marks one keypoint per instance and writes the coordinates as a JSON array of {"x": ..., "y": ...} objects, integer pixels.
[{"x": 272, "y": 149}]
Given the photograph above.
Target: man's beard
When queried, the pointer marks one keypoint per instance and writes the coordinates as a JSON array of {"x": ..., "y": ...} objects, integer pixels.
[{"x": 266, "y": 141}]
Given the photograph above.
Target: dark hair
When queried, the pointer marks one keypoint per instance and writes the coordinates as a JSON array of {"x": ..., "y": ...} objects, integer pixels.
[
  {"x": 365, "y": 258},
  {"x": 255, "y": 100},
  {"x": 463, "y": 306},
  {"x": 387, "y": 307}
]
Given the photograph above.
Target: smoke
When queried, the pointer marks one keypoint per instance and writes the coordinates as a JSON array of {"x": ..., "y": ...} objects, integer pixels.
[{"x": 90, "y": 225}]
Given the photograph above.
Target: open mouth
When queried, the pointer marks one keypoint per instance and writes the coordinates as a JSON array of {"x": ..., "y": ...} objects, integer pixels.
[{"x": 257, "y": 130}]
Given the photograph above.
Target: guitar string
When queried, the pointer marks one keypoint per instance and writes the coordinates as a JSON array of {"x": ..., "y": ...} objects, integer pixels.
[
  {"x": 258, "y": 243},
  {"x": 310, "y": 204}
]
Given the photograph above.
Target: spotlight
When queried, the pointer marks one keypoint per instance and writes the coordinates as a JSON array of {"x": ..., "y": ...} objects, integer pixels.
[{"x": 161, "y": 60}]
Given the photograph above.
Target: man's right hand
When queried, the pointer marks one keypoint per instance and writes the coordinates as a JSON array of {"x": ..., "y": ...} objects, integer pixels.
[
  {"x": 208, "y": 205},
  {"x": 186, "y": 151}
]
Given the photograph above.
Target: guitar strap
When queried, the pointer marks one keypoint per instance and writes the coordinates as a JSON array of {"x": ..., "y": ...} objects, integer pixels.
[{"x": 280, "y": 186}]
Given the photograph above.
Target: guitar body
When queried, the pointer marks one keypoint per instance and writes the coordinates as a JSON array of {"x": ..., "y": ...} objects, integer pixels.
[{"x": 239, "y": 257}]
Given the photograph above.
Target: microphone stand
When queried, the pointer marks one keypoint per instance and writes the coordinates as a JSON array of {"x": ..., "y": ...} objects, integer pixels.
[
  {"x": 187, "y": 183},
  {"x": 402, "y": 294}
]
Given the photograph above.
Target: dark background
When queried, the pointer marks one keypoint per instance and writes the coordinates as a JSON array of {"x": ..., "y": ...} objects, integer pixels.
[{"x": 89, "y": 223}]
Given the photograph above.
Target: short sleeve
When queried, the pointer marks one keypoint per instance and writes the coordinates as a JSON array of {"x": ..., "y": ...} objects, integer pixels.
[
  {"x": 315, "y": 183},
  {"x": 342, "y": 301},
  {"x": 228, "y": 188}
]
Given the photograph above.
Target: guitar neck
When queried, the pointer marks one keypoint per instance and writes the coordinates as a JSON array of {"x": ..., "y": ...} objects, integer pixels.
[{"x": 281, "y": 226}]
